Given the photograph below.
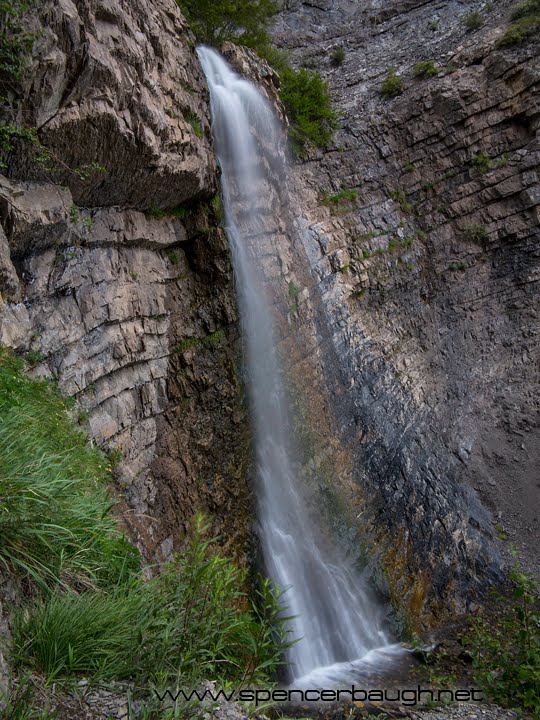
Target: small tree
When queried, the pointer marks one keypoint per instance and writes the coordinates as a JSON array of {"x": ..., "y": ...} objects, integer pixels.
[{"x": 216, "y": 21}]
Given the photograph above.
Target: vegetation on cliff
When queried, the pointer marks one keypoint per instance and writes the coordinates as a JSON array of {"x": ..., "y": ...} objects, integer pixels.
[
  {"x": 303, "y": 92},
  {"x": 85, "y": 608}
]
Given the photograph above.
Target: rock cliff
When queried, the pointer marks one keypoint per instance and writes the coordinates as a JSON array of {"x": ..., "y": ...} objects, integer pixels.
[
  {"x": 420, "y": 225},
  {"x": 116, "y": 278}
]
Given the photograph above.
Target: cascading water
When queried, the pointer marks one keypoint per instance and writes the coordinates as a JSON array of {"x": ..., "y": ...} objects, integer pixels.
[{"x": 333, "y": 615}]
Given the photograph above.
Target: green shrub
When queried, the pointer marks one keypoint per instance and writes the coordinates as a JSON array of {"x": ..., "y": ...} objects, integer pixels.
[
  {"x": 525, "y": 9},
  {"x": 476, "y": 233},
  {"x": 482, "y": 162},
  {"x": 506, "y": 651},
  {"x": 392, "y": 85},
  {"x": 241, "y": 21},
  {"x": 191, "y": 622},
  {"x": 425, "y": 69},
  {"x": 54, "y": 508},
  {"x": 527, "y": 23},
  {"x": 307, "y": 102},
  {"x": 473, "y": 20},
  {"x": 337, "y": 56}
]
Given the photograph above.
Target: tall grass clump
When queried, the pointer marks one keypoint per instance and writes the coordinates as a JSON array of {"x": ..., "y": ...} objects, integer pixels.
[
  {"x": 191, "y": 622},
  {"x": 55, "y": 521}
]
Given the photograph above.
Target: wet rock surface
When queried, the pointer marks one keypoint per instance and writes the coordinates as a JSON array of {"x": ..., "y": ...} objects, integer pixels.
[{"x": 427, "y": 330}]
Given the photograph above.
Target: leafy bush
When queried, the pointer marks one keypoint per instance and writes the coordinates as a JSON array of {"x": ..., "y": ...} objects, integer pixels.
[
  {"x": 54, "y": 508},
  {"x": 216, "y": 21},
  {"x": 191, "y": 622},
  {"x": 392, "y": 85},
  {"x": 425, "y": 69},
  {"x": 307, "y": 102},
  {"x": 473, "y": 20},
  {"x": 527, "y": 17},
  {"x": 506, "y": 653}
]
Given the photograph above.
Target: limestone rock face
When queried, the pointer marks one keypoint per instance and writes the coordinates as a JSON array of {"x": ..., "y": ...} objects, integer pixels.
[
  {"x": 429, "y": 281},
  {"x": 116, "y": 84},
  {"x": 131, "y": 312}
]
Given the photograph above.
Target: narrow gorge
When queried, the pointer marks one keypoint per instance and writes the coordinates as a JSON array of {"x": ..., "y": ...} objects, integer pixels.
[{"x": 332, "y": 354}]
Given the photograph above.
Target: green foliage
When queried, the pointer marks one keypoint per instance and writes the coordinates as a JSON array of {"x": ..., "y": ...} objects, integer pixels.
[
  {"x": 304, "y": 93},
  {"x": 527, "y": 22},
  {"x": 506, "y": 652},
  {"x": 173, "y": 257},
  {"x": 401, "y": 199},
  {"x": 476, "y": 233},
  {"x": 54, "y": 509},
  {"x": 241, "y": 21},
  {"x": 191, "y": 622},
  {"x": 195, "y": 123},
  {"x": 392, "y": 85},
  {"x": 425, "y": 69},
  {"x": 214, "y": 338},
  {"x": 15, "y": 42},
  {"x": 180, "y": 212},
  {"x": 473, "y": 20},
  {"x": 482, "y": 162},
  {"x": 525, "y": 9},
  {"x": 344, "y": 196},
  {"x": 337, "y": 56},
  {"x": 20, "y": 704},
  {"x": 409, "y": 167},
  {"x": 307, "y": 102}
]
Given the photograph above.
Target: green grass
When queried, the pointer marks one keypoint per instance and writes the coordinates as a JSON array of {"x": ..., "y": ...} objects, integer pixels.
[
  {"x": 195, "y": 122},
  {"x": 400, "y": 198},
  {"x": 214, "y": 338},
  {"x": 193, "y": 621},
  {"x": 181, "y": 212},
  {"x": 55, "y": 522},
  {"x": 476, "y": 233},
  {"x": 343, "y": 197},
  {"x": 482, "y": 162}
]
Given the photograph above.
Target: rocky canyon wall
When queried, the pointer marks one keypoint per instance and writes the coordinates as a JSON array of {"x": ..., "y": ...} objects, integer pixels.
[
  {"x": 420, "y": 225},
  {"x": 404, "y": 263},
  {"x": 116, "y": 278}
]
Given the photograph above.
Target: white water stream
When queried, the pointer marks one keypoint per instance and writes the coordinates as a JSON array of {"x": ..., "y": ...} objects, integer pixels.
[{"x": 340, "y": 625}]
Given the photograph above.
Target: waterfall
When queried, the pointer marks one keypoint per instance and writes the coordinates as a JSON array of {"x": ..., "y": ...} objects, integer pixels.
[{"x": 338, "y": 622}]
